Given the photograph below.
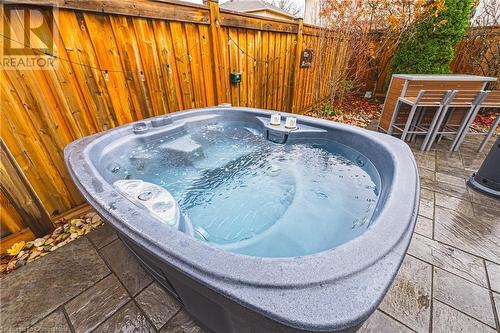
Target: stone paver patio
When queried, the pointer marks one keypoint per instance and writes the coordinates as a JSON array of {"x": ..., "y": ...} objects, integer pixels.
[{"x": 449, "y": 280}]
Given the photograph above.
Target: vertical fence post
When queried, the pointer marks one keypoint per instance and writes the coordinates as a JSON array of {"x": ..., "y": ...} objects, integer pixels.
[
  {"x": 220, "y": 83},
  {"x": 296, "y": 69}
]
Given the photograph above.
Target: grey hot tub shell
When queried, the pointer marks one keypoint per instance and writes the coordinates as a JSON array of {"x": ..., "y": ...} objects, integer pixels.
[{"x": 334, "y": 290}]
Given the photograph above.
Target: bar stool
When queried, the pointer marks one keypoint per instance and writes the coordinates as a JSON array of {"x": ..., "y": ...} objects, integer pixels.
[
  {"x": 424, "y": 99},
  {"x": 491, "y": 99},
  {"x": 469, "y": 99}
]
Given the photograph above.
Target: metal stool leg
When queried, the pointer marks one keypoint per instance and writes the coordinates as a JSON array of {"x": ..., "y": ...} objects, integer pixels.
[
  {"x": 394, "y": 116},
  {"x": 431, "y": 127},
  {"x": 413, "y": 125},
  {"x": 446, "y": 121},
  {"x": 411, "y": 115},
  {"x": 464, "y": 127},
  {"x": 467, "y": 121},
  {"x": 436, "y": 128},
  {"x": 420, "y": 117},
  {"x": 437, "y": 120},
  {"x": 490, "y": 133},
  {"x": 409, "y": 121}
]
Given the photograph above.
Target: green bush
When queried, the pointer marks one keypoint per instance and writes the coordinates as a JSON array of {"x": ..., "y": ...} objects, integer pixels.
[
  {"x": 330, "y": 110},
  {"x": 428, "y": 46}
]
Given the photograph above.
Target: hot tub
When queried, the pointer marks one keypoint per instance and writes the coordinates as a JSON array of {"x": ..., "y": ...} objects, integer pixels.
[{"x": 256, "y": 227}]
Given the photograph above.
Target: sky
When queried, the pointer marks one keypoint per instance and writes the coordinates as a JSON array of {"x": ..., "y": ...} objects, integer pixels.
[{"x": 300, "y": 3}]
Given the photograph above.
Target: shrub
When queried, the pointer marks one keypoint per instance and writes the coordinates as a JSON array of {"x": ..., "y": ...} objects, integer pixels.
[
  {"x": 330, "y": 110},
  {"x": 427, "y": 47}
]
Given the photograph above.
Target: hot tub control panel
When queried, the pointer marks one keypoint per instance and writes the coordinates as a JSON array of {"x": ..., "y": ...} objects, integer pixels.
[
  {"x": 277, "y": 131},
  {"x": 154, "y": 198}
]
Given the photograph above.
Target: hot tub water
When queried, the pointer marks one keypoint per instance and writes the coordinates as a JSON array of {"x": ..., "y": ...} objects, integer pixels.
[{"x": 251, "y": 196}]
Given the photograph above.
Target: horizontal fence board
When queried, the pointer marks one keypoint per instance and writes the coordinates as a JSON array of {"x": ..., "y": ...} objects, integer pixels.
[
  {"x": 254, "y": 22},
  {"x": 7, "y": 242},
  {"x": 172, "y": 11}
]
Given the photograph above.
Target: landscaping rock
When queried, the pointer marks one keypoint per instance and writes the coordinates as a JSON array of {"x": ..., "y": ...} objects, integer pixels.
[
  {"x": 57, "y": 231},
  {"x": 33, "y": 255},
  {"x": 77, "y": 222},
  {"x": 96, "y": 219},
  {"x": 38, "y": 242},
  {"x": 90, "y": 215},
  {"x": 20, "y": 263},
  {"x": 65, "y": 232}
]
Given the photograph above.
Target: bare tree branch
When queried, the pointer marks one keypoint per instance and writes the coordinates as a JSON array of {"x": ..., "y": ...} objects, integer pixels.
[{"x": 288, "y": 6}]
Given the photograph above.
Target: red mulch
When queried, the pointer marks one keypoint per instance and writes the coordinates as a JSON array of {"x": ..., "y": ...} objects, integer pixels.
[
  {"x": 484, "y": 121},
  {"x": 352, "y": 110}
]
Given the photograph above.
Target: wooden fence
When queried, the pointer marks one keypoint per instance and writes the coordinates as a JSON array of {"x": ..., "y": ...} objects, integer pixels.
[
  {"x": 124, "y": 60},
  {"x": 479, "y": 53}
]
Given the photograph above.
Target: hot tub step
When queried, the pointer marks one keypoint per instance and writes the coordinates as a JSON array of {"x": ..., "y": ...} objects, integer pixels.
[{"x": 183, "y": 149}]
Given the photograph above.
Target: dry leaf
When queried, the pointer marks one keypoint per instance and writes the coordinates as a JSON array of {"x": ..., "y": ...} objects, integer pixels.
[{"x": 16, "y": 248}]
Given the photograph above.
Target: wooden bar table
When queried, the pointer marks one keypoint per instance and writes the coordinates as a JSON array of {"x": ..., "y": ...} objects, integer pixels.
[{"x": 408, "y": 85}]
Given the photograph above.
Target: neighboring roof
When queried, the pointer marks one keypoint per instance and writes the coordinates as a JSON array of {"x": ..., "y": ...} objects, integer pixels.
[{"x": 249, "y": 6}]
